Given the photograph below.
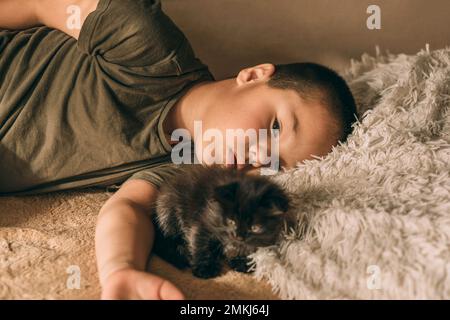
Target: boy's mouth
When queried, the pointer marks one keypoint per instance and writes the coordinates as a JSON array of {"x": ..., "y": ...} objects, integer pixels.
[
  {"x": 234, "y": 164},
  {"x": 231, "y": 161}
]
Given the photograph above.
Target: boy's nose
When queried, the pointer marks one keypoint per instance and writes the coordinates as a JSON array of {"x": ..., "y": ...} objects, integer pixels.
[{"x": 256, "y": 164}]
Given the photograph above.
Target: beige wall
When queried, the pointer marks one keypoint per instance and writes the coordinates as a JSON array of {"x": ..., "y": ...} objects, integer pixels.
[{"x": 231, "y": 34}]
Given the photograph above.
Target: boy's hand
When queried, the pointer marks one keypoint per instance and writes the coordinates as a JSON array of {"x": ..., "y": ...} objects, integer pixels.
[
  {"x": 130, "y": 284},
  {"x": 123, "y": 241}
]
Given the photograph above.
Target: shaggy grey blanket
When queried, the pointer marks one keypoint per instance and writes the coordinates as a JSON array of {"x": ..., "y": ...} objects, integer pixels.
[{"x": 373, "y": 218}]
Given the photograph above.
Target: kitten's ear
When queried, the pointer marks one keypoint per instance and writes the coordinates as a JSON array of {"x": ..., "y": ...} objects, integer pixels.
[
  {"x": 275, "y": 197},
  {"x": 227, "y": 192}
]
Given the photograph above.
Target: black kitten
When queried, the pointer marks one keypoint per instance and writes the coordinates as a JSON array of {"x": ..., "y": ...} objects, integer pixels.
[{"x": 209, "y": 214}]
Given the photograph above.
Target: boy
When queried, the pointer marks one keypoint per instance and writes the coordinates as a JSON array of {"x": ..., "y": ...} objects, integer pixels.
[{"x": 96, "y": 106}]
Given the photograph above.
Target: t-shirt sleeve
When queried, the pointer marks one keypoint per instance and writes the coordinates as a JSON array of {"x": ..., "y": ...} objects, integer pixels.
[
  {"x": 158, "y": 175},
  {"x": 133, "y": 33}
]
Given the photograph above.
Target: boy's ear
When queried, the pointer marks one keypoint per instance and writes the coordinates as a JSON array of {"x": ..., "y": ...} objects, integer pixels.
[
  {"x": 226, "y": 193},
  {"x": 260, "y": 72}
]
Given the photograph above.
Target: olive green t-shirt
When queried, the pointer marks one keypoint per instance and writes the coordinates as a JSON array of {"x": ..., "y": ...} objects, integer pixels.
[{"x": 85, "y": 113}]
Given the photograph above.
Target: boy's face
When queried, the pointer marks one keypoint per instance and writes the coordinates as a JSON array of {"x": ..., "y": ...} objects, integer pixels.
[{"x": 305, "y": 127}]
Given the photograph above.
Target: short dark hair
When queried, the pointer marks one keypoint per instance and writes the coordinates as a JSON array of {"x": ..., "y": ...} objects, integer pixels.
[{"x": 316, "y": 82}]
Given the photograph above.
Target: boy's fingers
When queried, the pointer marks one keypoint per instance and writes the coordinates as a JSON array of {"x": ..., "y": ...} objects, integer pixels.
[
  {"x": 157, "y": 288},
  {"x": 168, "y": 291}
]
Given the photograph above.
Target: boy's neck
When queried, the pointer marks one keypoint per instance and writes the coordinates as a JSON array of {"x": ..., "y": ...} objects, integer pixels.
[{"x": 192, "y": 107}]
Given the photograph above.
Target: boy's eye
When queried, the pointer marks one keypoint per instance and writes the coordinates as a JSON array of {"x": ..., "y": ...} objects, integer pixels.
[{"x": 276, "y": 125}]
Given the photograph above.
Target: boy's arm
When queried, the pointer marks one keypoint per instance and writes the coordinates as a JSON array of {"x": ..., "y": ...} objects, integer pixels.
[
  {"x": 18, "y": 14},
  {"x": 122, "y": 236},
  {"x": 22, "y": 14},
  {"x": 123, "y": 240}
]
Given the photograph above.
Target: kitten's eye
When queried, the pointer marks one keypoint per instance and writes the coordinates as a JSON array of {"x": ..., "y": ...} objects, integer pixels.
[
  {"x": 231, "y": 222},
  {"x": 256, "y": 228},
  {"x": 276, "y": 125}
]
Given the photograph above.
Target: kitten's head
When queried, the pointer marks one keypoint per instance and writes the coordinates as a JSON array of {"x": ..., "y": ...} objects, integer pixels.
[{"x": 253, "y": 209}]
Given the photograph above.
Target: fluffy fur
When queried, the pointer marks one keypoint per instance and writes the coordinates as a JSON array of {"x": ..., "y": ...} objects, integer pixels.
[
  {"x": 383, "y": 199},
  {"x": 378, "y": 206},
  {"x": 206, "y": 215}
]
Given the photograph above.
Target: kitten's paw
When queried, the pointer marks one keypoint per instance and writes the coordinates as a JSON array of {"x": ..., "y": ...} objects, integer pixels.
[
  {"x": 206, "y": 271},
  {"x": 239, "y": 264},
  {"x": 181, "y": 264}
]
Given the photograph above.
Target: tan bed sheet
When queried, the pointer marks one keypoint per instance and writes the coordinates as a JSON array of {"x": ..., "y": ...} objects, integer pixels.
[{"x": 41, "y": 237}]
